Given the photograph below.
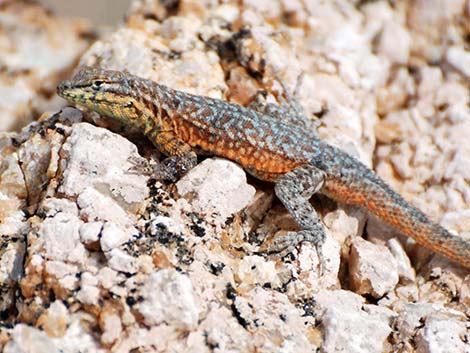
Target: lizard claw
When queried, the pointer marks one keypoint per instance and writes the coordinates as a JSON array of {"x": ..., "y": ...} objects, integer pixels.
[
  {"x": 285, "y": 244},
  {"x": 169, "y": 170},
  {"x": 139, "y": 166}
]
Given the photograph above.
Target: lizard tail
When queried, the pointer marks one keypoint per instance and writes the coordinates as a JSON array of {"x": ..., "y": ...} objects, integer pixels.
[{"x": 389, "y": 206}]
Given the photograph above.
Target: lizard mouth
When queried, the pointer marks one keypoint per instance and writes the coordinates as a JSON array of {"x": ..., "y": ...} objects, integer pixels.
[
  {"x": 63, "y": 86},
  {"x": 72, "y": 93},
  {"x": 64, "y": 89}
]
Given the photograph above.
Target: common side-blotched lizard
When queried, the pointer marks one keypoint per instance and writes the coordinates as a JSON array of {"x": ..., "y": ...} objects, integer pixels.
[{"x": 181, "y": 125}]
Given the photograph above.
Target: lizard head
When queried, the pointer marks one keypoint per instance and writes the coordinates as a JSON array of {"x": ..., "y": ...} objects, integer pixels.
[{"x": 107, "y": 92}]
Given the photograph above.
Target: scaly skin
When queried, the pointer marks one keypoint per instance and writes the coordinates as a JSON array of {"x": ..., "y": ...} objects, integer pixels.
[{"x": 180, "y": 124}]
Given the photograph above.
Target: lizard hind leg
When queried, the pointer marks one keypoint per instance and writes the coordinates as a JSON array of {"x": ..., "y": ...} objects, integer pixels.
[{"x": 294, "y": 189}]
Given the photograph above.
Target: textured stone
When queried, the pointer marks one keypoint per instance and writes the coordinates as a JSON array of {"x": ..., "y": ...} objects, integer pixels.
[
  {"x": 394, "y": 43},
  {"x": 168, "y": 297},
  {"x": 30, "y": 339},
  {"x": 60, "y": 238},
  {"x": 216, "y": 185},
  {"x": 106, "y": 172},
  {"x": 120, "y": 261},
  {"x": 37, "y": 47},
  {"x": 112, "y": 236},
  {"x": 372, "y": 269},
  {"x": 350, "y": 325},
  {"x": 433, "y": 328},
  {"x": 54, "y": 321},
  {"x": 12, "y": 254},
  {"x": 256, "y": 270},
  {"x": 89, "y": 232}
]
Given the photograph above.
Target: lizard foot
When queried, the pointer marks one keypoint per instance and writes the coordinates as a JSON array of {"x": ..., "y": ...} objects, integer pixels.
[
  {"x": 139, "y": 166},
  {"x": 174, "y": 167},
  {"x": 285, "y": 244},
  {"x": 166, "y": 170},
  {"x": 170, "y": 169},
  {"x": 161, "y": 171}
]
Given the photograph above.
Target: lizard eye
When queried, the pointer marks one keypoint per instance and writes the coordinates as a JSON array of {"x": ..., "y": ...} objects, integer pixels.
[{"x": 96, "y": 84}]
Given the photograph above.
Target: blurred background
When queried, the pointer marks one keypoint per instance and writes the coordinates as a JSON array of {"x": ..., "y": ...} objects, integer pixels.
[{"x": 100, "y": 12}]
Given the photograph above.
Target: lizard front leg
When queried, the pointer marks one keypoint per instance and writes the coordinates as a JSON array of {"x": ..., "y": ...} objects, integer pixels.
[
  {"x": 181, "y": 158},
  {"x": 294, "y": 189}
]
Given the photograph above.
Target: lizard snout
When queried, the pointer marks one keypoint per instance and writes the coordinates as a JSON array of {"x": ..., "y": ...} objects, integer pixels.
[{"x": 64, "y": 86}]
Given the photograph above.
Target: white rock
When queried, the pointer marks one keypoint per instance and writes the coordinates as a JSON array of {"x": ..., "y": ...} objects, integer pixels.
[
  {"x": 227, "y": 12},
  {"x": 266, "y": 8},
  {"x": 11, "y": 268},
  {"x": 275, "y": 317},
  {"x": 340, "y": 299},
  {"x": 89, "y": 232},
  {"x": 430, "y": 82},
  {"x": 459, "y": 58},
  {"x": 51, "y": 206},
  {"x": 88, "y": 279},
  {"x": 433, "y": 328},
  {"x": 14, "y": 96},
  {"x": 169, "y": 298},
  {"x": 394, "y": 43},
  {"x": 120, "y": 261},
  {"x": 107, "y": 277},
  {"x": 112, "y": 328},
  {"x": 14, "y": 223},
  {"x": 216, "y": 185},
  {"x": 106, "y": 171},
  {"x": 372, "y": 268},
  {"x": 125, "y": 45},
  {"x": 348, "y": 327},
  {"x": 405, "y": 270},
  {"x": 37, "y": 260},
  {"x": 460, "y": 163},
  {"x": 458, "y": 113},
  {"x": 60, "y": 269},
  {"x": 309, "y": 263},
  {"x": 38, "y": 158},
  {"x": 69, "y": 282},
  {"x": 459, "y": 221},
  {"x": 88, "y": 295},
  {"x": 78, "y": 338},
  {"x": 256, "y": 270},
  {"x": 11, "y": 261},
  {"x": 223, "y": 331},
  {"x": 451, "y": 93},
  {"x": 32, "y": 47},
  {"x": 180, "y": 32},
  {"x": 98, "y": 207},
  {"x": 393, "y": 96},
  {"x": 343, "y": 225},
  {"x": 173, "y": 223},
  {"x": 31, "y": 340},
  {"x": 112, "y": 236},
  {"x": 465, "y": 291},
  {"x": 55, "y": 319},
  {"x": 442, "y": 335},
  {"x": 60, "y": 238}
]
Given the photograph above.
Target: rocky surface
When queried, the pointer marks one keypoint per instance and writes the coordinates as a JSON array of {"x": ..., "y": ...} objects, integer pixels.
[
  {"x": 98, "y": 257},
  {"x": 36, "y": 50}
]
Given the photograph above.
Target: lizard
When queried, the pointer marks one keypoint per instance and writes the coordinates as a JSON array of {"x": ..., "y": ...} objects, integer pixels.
[{"x": 182, "y": 125}]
